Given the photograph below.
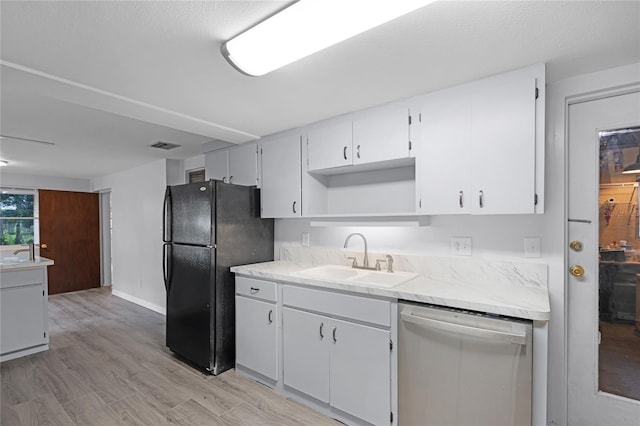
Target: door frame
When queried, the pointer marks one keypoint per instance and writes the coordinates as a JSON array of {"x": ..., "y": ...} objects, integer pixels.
[
  {"x": 106, "y": 276},
  {"x": 588, "y": 88}
]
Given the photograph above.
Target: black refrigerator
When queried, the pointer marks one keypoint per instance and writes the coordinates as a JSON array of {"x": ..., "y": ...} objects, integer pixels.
[{"x": 208, "y": 228}]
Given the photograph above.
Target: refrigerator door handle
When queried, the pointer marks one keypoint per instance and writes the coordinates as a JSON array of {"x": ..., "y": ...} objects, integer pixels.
[
  {"x": 166, "y": 216},
  {"x": 166, "y": 265}
]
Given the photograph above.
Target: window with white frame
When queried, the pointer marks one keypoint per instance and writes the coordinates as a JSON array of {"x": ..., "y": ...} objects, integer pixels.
[{"x": 18, "y": 217}]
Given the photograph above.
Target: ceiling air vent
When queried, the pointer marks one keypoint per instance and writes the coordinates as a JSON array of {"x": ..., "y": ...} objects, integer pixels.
[{"x": 164, "y": 145}]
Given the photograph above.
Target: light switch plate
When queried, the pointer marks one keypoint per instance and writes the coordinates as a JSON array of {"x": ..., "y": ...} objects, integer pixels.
[
  {"x": 531, "y": 246},
  {"x": 305, "y": 239},
  {"x": 461, "y": 246}
]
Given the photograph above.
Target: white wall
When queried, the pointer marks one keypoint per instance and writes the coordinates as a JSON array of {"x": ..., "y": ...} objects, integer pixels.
[
  {"x": 18, "y": 180},
  {"x": 497, "y": 236},
  {"x": 136, "y": 201}
]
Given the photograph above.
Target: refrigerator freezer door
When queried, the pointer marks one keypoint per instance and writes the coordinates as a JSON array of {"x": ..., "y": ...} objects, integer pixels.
[
  {"x": 189, "y": 300},
  {"x": 189, "y": 213}
]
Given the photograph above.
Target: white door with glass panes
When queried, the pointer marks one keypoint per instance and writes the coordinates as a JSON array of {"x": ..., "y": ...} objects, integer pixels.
[
  {"x": 381, "y": 135},
  {"x": 243, "y": 165},
  {"x": 602, "y": 248},
  {"x": 281, "y": 178},
  {"x": 330, "y": 145}
]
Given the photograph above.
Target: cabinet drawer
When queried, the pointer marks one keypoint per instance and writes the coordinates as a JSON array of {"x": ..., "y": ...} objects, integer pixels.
[
  {"x": 358, "y": 308},
  {"x": 258, "y": 289},
  {"x": 21, "y": 277}
]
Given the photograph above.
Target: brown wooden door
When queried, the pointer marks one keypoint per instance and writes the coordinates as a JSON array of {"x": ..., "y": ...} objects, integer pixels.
[{"x": 70, "y": 236}]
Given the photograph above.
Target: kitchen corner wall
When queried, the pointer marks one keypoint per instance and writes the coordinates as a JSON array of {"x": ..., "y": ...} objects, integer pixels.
[{"x": 136, "y": 204}]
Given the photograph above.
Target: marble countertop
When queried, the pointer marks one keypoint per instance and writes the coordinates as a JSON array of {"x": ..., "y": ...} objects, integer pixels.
[
  {"x": 519, "y": 299},
  {"x": 14, "y": 262}
]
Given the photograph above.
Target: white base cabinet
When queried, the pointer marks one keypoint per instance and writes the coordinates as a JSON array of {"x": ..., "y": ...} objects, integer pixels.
[
  {"x": 24, "y": 322},
  {"x": 257, "y": 322},
  {"x": 330, "y": 350},
  {"x": 337, "y": 349}
]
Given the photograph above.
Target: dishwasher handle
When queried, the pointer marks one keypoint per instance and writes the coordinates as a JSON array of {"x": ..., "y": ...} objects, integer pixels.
[{"x": 519, "y": 339}]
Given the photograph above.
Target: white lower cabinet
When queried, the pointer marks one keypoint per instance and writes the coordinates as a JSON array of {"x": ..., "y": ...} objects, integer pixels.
[
  {"x": 328, "y": 349},
  {"x": 24, "y": 322},
  {"x": 256, "y": 336},
  {"x": 257, "y": 327},
  {"x": 342, "y": 363}
]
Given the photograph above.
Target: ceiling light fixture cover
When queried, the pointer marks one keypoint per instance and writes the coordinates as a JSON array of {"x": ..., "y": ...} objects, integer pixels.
[
  {"x": 3, "y": 163},
  {"x": 306, "y": 27}
]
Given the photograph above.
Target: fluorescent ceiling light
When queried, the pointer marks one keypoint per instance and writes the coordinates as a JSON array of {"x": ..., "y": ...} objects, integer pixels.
[
  {"x": 309, "y": 26},
  {"x": 3, "y": 163}
]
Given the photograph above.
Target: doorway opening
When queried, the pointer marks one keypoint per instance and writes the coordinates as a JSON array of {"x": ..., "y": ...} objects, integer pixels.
[{"x": 619, "y": 262}]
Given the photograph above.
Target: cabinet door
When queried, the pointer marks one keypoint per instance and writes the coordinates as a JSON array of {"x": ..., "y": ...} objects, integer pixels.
[
  {"x": 380, "y": 136},
  {"x": 361, "y": 371},
  {"x": 243, "y": 165},
  {"x": 257, "y": 336},
  {"x": 216, "y": 165},
  {"x": 305, "y": 343},
  {"x": 445, "y": 152},
  {"x": 330, "y": 146},
  {"x": 22, "y": 317},
  {"x": 503, "y": 144},
  {"x": 281, "y": 179}
]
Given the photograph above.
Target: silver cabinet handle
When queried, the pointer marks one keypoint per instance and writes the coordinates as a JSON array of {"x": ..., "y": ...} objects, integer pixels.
[
  {"x": 460, "y": 199},
  {"x": 358, "y": 151},
  {"x": 270, "y": 316},
  {"x": 254, "y": 290},
  {"x": 321, "y": 327},
  {"x": 224, "y": 179},
  {"x": 518, "y": 339},
  {"x": 481, "y": 199},
  {"x": 344, "y": 152},
  {"x": 230, "y": 177},
  {"x": 334, "y": 335},
  {"x": 293, "y": 206}
]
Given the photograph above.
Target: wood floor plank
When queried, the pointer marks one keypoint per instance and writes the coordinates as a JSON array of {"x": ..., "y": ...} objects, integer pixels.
[
  {"x": 108, "y": 365},
  {"x": 90, "y": 409},
  {"x": 42, "y": 410}
]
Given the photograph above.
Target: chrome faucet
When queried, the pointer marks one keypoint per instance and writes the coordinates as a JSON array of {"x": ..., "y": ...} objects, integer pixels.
[
  {"x": 365, "y": 262},
  {"x": 31, "y": 249}
]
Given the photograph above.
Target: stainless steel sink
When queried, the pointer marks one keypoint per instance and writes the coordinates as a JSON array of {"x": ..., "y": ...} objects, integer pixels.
[{"x": 357, "y": 276}]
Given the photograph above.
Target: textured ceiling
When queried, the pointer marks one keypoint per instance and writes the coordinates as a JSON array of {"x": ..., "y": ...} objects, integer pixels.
[{"x": 159, "y": 62}]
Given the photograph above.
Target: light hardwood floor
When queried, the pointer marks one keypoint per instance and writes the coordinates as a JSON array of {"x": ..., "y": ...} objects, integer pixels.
[{"x": 108, "y": 365}]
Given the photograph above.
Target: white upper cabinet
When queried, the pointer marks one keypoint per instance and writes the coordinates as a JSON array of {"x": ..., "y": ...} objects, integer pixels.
[
  {"x": 445, "y": 152},
  {"x": 381, "y": 136},
  {"x": 281, "y": 187},
  {"x": 503, "y": 144},
  {"x": 330, "y": 146},
  {"x": 216, "y": 165},
  {"x": 482, "y": 148},
  {"x": 243, "y": 164},
  {"x": 237, "y": 165}
]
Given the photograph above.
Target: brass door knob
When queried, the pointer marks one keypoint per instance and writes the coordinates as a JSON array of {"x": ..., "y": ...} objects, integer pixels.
[
  {"x": 576, "y": 270},
  {"x": 576, "y": 245},
  {"x": 44, "y": 246}
]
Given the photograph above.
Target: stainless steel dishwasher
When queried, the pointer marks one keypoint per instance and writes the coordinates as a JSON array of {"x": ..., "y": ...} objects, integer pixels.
[{"x": 462, "y": 368}]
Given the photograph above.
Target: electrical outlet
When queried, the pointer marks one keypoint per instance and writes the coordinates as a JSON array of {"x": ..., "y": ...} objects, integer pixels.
[
  {"x": 531, "y": 246},
  {"x": 461, "y": 246},
  {"x": 305, "y": 239}
]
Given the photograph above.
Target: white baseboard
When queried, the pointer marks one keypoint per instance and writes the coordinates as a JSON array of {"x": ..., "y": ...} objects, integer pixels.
[{"x": 138, "y": 301}]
